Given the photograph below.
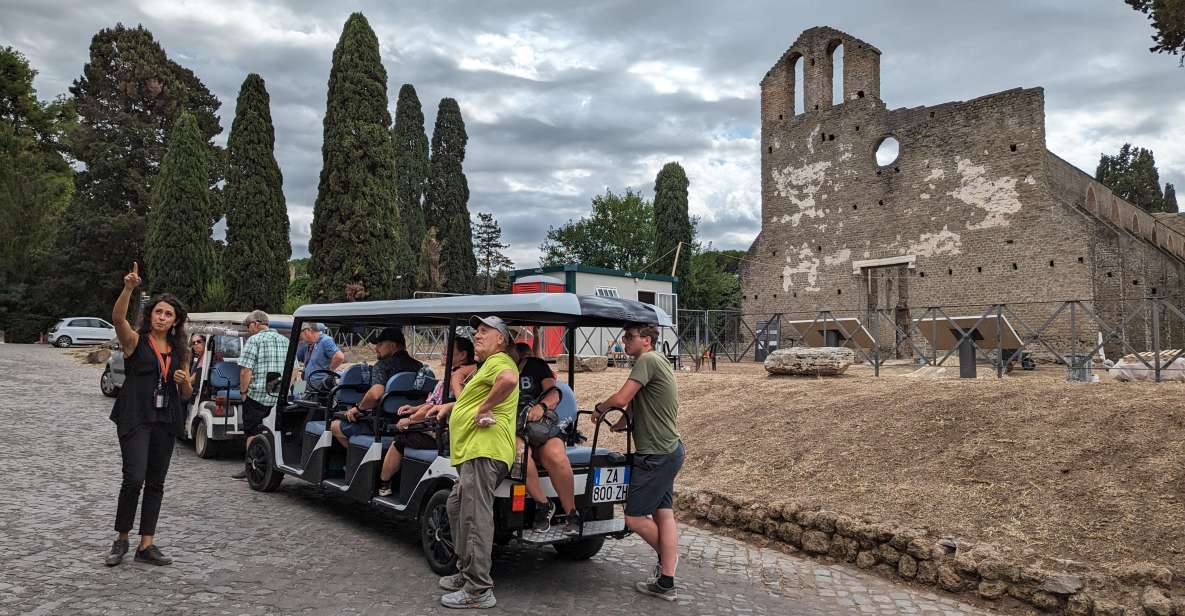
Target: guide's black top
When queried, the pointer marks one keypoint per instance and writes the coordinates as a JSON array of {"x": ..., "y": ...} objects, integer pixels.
[{"x": 135, "y": 405}]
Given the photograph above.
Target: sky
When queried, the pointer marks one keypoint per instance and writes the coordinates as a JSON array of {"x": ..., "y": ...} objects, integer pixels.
[{"x": 563, "y": 100}]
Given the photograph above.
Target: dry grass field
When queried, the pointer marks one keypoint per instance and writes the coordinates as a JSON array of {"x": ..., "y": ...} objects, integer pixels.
[{"x": 1089, "y": 472}]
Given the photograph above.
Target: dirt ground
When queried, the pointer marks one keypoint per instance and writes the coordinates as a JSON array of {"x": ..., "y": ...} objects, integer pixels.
[{"x": 1088, "y": 472}]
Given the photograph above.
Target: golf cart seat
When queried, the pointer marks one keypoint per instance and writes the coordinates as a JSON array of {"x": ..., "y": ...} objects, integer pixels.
[
  {"x": 365, "y": 441},
  {"x": 401, "y": 389},
  {"x": 224, "y": 381},
  {"x": 350, "y": 389},
  {"x": 566, "y": 410}
]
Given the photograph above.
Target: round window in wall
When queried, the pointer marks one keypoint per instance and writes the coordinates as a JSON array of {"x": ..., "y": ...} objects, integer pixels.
[{"x": 887, "y": 151}]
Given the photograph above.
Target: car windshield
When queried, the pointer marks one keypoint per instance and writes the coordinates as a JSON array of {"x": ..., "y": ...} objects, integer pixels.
[{"x": 226, "y": 347}]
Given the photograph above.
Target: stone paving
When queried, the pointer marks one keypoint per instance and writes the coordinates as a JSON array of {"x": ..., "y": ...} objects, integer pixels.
[{"x": 298, "y": 551}]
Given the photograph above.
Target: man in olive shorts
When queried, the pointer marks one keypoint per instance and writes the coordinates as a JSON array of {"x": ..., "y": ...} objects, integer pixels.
[{"x": 653, "y": 406}]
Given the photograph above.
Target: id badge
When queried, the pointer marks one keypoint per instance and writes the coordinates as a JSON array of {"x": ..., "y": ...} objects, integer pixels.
[{"x": 158, "y": 398}]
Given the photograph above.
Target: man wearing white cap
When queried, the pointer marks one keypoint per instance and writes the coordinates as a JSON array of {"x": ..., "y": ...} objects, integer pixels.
[{"x": 481, "y": 440}]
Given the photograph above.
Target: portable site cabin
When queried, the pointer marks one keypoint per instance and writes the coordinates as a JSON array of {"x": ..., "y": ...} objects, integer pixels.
[{"x": 654, "y": 289}]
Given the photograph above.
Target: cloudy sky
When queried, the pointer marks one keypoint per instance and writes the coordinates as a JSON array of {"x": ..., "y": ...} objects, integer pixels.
[{"x": 563, "y": 100}]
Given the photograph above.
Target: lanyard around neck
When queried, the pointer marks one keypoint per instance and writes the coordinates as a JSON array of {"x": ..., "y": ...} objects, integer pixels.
[{"x": 164, "y": 361}]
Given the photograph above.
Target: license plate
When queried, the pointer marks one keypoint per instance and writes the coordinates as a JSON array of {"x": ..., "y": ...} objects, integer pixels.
[{"x": 610, "y": 484}]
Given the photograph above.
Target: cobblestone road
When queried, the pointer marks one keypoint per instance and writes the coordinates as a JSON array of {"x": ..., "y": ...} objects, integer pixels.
[{"x": 297, "y": 551}]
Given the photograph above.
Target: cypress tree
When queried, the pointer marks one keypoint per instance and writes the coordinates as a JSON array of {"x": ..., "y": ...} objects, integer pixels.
[
  {"x": 356, "y": 240},
  {"x": 671, "y": 221},
  {"x": 1131, "y": 174},
  {"x": 177, "y": 249},
  {"x": 1170, "y": 199},
  {"x": 128, "y": 97},
  {"x": 411, "y": 178},
  {"x": 255, "y": 260},
  {"x": 447, "y": 205}
]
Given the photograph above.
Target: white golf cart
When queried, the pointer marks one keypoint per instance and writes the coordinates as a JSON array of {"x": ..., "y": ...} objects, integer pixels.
[
  {"x": 296, "y": 441},
  {"x": 213, "y": 416}
]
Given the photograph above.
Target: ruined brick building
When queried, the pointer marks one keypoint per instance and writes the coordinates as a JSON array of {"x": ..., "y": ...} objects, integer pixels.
[{"x": 974, "y": 210}]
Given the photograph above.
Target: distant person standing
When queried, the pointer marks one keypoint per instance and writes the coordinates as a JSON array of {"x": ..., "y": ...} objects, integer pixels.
[
  {"x": 652, "y": 401},
  {"x": 263, "y": 354},
  {"x": 147, "y": 412}
]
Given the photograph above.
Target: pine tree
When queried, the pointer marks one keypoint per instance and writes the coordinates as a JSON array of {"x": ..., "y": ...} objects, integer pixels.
[
  {"x": 128, "y": 97},
  {"x": 492, "y": 263},
  {"x": 255, "y": 260},
  {"x": 356, "y": 241},
  {"x": 671, "y": 222},
  {"x": 1170, "y": 199},
  {"x": 411, "y": 173},
  {"x": 447, "y": 205},
  {"x": 1131, "y": 174},
  {"x": 177, "y": 249}
]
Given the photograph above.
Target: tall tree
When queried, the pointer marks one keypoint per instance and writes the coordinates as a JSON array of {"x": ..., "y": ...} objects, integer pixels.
[
  {"x": 36, "y": 183},
  {"x": 356, "y": 238},
  {"x": 672, "y": 222},
  {"x": 447, "y": 205},
  {"x": 1170, "y": 199},
  {"x": 492, "y": 264},
  {"x": 619, "y": 234},
  {"x": 178, "y": 250},
  {"x": 709, "y": 284},
  {"x": 1132, "y": 175},
  {"x": 255, "y": 260},
  {"x": 411, "y": 177},
  {"x": 1168, "y": 23},
  {"x": 128, "y": 97}
]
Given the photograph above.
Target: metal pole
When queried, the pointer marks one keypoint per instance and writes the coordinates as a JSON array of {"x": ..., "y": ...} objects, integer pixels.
[
  {"x": 876, "y": 345},
  {"x": 999, "y": 342},
  {"x": 934, "y": 343},
  {"x": 1073, "y": 331},
  {"x": 1156, "y": 335}
]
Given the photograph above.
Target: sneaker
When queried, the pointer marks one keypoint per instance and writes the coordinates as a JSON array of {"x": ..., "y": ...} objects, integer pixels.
[
  {"x": 463, "y": 599},
  {"x": 241, "y": 475},
  {"x": 385, "y": 488},
  {"x": 572, "y": 525},
  {"x": 452, "y": 582},
  {"x": 543, "y": 514},
  {"x": 657, "y": 573},
  {"x": 654, "y": 590},
  {"x": 118, "y": 548},
  {"x": 152, "y": 556}
]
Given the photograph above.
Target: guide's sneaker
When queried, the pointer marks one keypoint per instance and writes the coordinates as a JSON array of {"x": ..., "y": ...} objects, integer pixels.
[
  {"x": 543, "y": 514},
  {"x": 118, "y": 548},
  {"x": 452, "y": 582},
  {"x": 463, "y": 599},
  {"x": 152, "y": 555},
  {"x": 654, "y": 590},
  {"x": 385, "y": 489}
]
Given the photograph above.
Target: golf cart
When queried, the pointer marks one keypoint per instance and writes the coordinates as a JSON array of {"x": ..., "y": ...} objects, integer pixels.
[
  {"x": 212, "y": 416},
  {"x": 296, "y": 441}
]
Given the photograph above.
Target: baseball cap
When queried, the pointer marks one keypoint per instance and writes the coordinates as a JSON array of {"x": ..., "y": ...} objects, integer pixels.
[
  {"x": 491, "y": 322},
  {"x": 390, "y": 334}
]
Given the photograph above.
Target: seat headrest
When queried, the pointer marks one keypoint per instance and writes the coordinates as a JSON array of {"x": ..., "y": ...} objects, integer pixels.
[
  {"x": 356, "y": 375},
  {"x": 402, "y": 381},
  {"x": 566, "y": 409}
]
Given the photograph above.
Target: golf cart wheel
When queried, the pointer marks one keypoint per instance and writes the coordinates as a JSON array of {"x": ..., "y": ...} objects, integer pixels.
[
  {"x": 107, "y": 384},
  {"x": 262, "y": 474},
  {"x": 202, "y": 445},
  {"x": 63, "y": 342},
  {"x": 581, "y": 549},
  {"x": 435, "y": 537}
]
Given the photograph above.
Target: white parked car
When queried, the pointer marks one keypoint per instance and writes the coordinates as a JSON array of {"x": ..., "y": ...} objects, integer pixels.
[{"x": 81, "y": 330}]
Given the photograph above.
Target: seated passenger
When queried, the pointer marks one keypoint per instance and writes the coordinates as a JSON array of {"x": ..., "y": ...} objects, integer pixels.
[
  {"x": 463, "y": 367},
  {"x": 197, "y": 346},
  {"x": 316, "y": 352},
  {"x": 390, "y": 347},
  {"x": 544, "y": 433}
]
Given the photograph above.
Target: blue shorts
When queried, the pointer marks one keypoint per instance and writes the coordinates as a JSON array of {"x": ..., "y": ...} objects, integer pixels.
[
  {"x": 357, "y": 428},
  {"x": 652, "y": 481}
]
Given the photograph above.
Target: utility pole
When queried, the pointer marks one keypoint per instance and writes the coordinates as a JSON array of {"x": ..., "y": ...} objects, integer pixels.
[{"x": 675, "y": 263}]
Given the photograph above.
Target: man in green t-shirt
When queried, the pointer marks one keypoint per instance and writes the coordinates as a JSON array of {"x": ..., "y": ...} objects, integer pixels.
[
  {"x": 650, "y": 397},
  {"x": 481, "y": 439}
]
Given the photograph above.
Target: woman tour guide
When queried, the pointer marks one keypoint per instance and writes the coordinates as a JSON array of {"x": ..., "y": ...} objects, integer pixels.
[{"x": 147, "y": 412}]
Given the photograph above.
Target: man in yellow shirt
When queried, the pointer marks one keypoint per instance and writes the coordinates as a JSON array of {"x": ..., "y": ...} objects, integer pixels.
[{"x": 481, "y": 440}]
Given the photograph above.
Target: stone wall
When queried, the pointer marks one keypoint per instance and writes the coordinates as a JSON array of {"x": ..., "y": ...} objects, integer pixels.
[
  {"x": 974, "y": 210},
  {"x": 991, "y": 572}
]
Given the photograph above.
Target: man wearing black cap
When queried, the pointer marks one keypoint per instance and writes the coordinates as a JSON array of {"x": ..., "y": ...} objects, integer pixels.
[{"x": 393, "y": 358}]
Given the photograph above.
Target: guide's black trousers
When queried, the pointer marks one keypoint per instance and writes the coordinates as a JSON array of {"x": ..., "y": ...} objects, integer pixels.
[{"x": 146, "y": 452}]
